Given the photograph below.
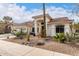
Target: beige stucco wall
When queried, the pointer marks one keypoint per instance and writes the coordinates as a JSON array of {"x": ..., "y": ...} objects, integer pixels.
[
  {"x": 67, "y": 29},
  {"x": 39, "y": 26},
  {"x": 18, "y": 28},
  {"x": 51, "y": 29}
]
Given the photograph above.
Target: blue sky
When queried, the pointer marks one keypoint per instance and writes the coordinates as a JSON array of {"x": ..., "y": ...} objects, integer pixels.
[
  {"x": 22, "y": 12},
  {"x": 65, "y": 7},
  {"x": 31, "y": 6}
]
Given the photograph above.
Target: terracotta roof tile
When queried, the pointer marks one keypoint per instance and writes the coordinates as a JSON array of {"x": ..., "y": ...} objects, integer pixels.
[
  {"x": 24, "y": 24},
  {"x": 60, "y": 20},
  {"x": 38, "y": 16}
]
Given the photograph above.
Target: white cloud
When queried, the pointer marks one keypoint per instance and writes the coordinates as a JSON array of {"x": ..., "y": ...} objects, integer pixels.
[
  {"x": 56, "y": 12},
  {"x": 21, "y": 14}
]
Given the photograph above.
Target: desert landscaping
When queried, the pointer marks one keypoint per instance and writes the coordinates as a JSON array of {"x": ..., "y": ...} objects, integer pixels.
[{"x": 43, "y": 33}]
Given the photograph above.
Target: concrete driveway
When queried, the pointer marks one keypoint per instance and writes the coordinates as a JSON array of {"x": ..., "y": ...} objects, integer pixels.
[{"x": 13, "y": 49}]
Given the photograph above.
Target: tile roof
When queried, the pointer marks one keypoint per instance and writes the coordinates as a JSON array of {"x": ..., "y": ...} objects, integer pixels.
[
  {"x": 30, "y": 23},
  {"x": 38, "y": 16},
  {"x": 60, "y": 20},
  {"x": 55, "y": 20}
]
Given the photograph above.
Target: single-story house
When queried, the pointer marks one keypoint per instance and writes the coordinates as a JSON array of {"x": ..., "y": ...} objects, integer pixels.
[
  {"x": 26, "y": 27},
  {"x": 53, "y": 25}
]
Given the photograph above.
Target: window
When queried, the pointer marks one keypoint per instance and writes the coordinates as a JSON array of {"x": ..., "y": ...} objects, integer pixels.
[
  {"x": 33, "y": 30},
  {"x": 60, "y": 29}
]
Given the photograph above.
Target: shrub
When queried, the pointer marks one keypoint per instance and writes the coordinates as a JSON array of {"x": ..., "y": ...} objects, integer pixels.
[
  {"x": 60, "y": 37},
  {"x": 28, "y": 37},
  {"x": 70, "y": 38},
  {"x": 17, "y": 34},
  {"x": 20, "y": 34}
]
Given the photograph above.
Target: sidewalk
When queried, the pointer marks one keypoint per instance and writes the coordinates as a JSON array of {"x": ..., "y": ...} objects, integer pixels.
[
  {"x": 5, "y": 36},
  {"x": 13, "y": 49}
]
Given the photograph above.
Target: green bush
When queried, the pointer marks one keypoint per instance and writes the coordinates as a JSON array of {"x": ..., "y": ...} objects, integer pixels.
[
  {"x": 70, "y": 38},
  {"x": 60, "y": 37},
  {"x": 20, "y": 34}
]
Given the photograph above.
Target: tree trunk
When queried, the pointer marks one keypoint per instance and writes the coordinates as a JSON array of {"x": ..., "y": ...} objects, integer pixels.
[{"x": 44, "y": 30}]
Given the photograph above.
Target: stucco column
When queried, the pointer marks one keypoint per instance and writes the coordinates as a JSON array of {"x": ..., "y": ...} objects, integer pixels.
[
  {"x": 35, "y": 26},
  {"x": 53, "y": 30},
  {"x": 39, "y": 28},
  {"x": 46, "y": 26}
]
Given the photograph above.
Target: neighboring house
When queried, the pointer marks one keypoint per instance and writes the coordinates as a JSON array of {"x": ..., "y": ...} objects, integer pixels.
[
  {"x": 53, "y": 25},
  {"x": 26, "y": 27}
]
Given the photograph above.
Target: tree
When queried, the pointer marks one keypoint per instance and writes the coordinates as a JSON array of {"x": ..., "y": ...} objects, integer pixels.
[
  {"x": 76, "y": 26},
  {"x": 2, "y": 27},
  {"x": 44, "y": 22},
  {"x": 7, "y": 20}
]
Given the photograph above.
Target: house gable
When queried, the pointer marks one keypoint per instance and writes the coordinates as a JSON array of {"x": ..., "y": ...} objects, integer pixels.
[{"x": 41, "y": 17}]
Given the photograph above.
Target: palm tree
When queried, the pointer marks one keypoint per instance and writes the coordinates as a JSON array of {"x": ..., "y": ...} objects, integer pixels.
[{"x": 44, "y": 29}]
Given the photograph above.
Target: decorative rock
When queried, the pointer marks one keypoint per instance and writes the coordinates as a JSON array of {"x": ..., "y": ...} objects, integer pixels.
[{"x": 40, "y": 42}]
